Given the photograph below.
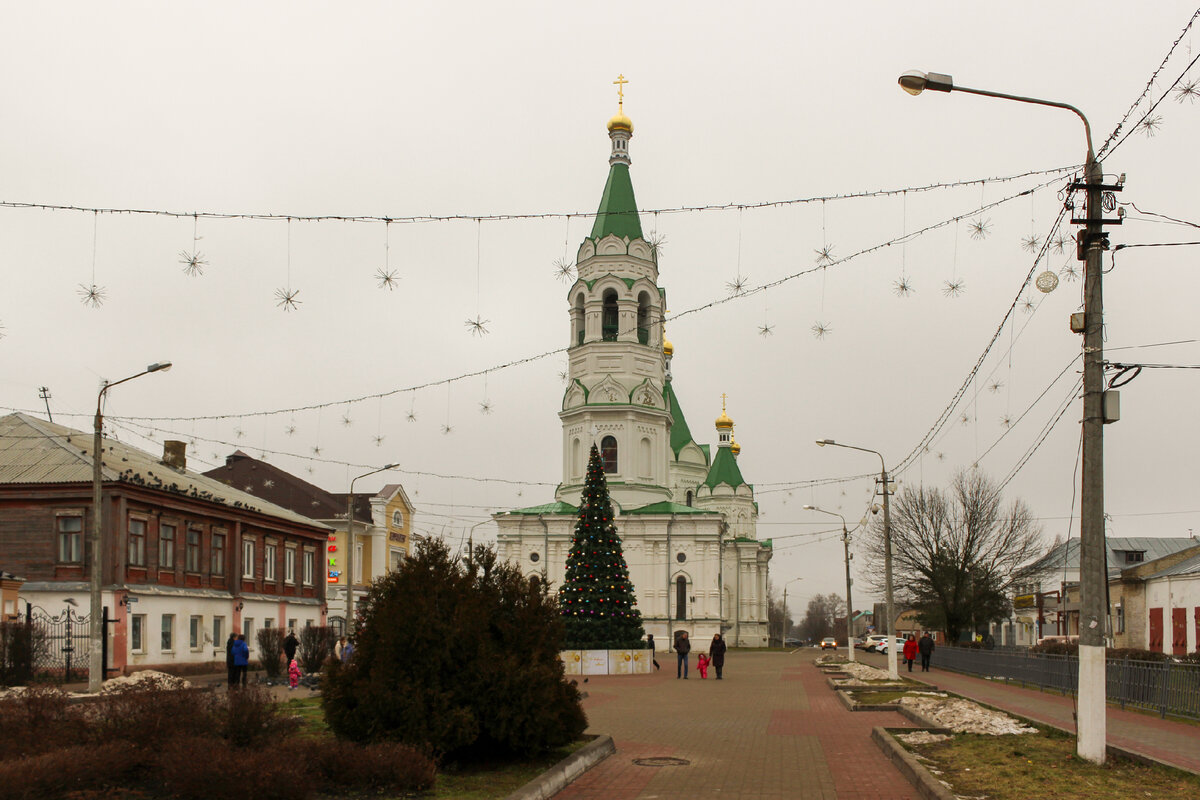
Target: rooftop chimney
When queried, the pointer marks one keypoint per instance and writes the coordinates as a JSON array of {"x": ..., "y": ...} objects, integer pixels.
[{"x": 175, "y": 454}]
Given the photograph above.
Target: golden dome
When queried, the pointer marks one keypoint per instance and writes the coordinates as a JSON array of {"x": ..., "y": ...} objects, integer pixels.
[
  {"x": 668, "y": 348},
  {"x": 724, "y": 421},
  {"x": 735, "y": 447},
  {"x": 620, "y": 121}
]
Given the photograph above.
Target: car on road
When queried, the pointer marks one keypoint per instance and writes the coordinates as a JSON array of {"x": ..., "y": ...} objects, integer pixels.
[
  {"x": 790, "y": 642},
  {"x": 882, "y": 646},
  {"x": 829, "y": 642},
  {"x": 873, "y": 640}
]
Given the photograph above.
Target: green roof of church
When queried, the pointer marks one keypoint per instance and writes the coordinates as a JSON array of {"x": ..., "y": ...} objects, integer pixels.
[
  {"x": 618, "y": 209},
  {"x": 724, "y": 470},
  {"x": 667, "y": 507},
  {"x": 557, "y": 507},
  {"x": 680, "y": 433}
]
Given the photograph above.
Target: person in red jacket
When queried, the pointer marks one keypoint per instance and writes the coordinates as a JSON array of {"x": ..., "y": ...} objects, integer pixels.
[{"x": 910, "y": 650}]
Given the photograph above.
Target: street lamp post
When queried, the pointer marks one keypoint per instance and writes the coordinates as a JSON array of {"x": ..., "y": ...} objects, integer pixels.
[
  {"x": 1093, "y": 566},
  {"x": 96, "y": 656},
  {"x": 893, "y": 664},
  {"x": 783, "y": 636},
  {"x": 350, "y": 547},
  {"x": 849, "y": 602}
]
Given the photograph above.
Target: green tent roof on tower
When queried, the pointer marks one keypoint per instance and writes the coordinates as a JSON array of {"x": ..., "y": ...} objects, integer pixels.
[
  {"x": 680, "y": 433},
  {"x": 724, "y": 470},
  {"x": 618, "y": 208}
]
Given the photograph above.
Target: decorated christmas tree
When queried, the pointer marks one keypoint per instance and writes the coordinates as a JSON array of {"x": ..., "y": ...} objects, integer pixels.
[{"x": 596, "y": 597}]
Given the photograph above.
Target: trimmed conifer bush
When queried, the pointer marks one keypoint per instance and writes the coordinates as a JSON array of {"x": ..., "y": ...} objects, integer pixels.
[{"x": 457, "y": 659}]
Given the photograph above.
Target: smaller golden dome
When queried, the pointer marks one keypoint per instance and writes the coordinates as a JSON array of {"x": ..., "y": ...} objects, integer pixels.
[
  {"x": 724, "y": 421},
  {"x": 620, "y": 121},
  {"x": 668, "y": 348},
  {"x": 735, "y": 447}
]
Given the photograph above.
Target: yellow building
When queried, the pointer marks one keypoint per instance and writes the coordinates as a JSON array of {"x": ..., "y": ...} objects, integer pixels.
[{"x": 380, "y": 545}]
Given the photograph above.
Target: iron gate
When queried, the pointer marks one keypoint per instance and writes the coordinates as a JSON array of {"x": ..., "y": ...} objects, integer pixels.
[{"x": 62, "y": 644}]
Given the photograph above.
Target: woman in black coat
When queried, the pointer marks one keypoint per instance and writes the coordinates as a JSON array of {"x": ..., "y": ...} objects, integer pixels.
[{"x": 716, "y": 653}]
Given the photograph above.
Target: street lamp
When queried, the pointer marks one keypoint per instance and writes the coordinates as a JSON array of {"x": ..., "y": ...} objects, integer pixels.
[
  {"x": 350, "y": 547},
  {"x": 96, "y": 656},
  {"x": 849, "y": 602},
  {"x": 1093, "y": 566},
  {"x": 893, "y": 664},
  {"x": 785, "y": 609}
]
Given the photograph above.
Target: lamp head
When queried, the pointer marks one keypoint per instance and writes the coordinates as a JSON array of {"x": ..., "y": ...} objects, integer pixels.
[
  {"x": 808, "y": 507},
  {"x": 823, "y": 442},
  {"x": 159, "y": 366},
  {"x": 390, "y": 466},
  {"x": 914, "y": 82}
]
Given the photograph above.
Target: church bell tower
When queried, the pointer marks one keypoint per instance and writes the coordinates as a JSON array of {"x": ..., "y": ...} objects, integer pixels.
[{"x": 614, "y": 397}]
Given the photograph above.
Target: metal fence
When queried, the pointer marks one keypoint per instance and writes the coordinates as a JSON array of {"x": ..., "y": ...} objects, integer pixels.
[
  {"x": 1163, "y": 686},
  {"x": 61, "y": 643}
]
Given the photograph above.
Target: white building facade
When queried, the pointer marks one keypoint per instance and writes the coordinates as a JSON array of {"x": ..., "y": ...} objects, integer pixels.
[{"x": 686, "y": 517}]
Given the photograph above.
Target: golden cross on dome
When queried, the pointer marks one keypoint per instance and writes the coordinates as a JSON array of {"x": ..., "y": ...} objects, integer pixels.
[
  {"x": 620, "y": 84},
  {"x": 722, "y": 402}
]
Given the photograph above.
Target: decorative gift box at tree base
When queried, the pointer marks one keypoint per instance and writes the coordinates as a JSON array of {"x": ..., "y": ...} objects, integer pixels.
[{"x": 607, "y": 662}]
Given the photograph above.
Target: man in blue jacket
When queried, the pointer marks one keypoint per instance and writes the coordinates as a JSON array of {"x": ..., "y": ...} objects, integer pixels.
[{"x": 241, "y": 660}]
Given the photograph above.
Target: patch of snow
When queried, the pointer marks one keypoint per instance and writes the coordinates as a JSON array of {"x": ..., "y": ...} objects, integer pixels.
[
  {"x": 146, "y": 679},
  {"x": 922, "y": 737},
  {"x": 963, "y": 716}
]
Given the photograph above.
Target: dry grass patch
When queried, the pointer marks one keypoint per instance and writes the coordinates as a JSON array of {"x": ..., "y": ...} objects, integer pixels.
[{"x": 1045, "y": 765}]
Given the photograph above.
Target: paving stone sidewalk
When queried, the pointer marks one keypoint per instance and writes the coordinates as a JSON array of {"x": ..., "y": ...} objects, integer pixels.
[
  {"x": 771, "y": 729},
  {"x": 1172, "y": 741}
]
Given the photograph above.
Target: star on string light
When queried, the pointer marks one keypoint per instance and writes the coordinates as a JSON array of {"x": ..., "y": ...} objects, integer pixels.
[
  {"x": 316, "y": 451},
  {"x": 821, "y": 329},
  {"x": 1006, "y": 421},
  {"x": 1150, "y": 125},
  {"x": 656, "y": 240},
  {"x": 287, "y": 299},
  {"x": 378, "y": 440},
  {"x": 92, "y": 295},
  {"x": 238, "y": 432},
  {"x": 564, "y": 376},
  {"x": 825, "y": 254},
  {"x": 766, "y": 330},
  {"x": 346, "y": 421},
  {"x": 903, "y": 287},
  {"x": 447, "y": 429},
  {"x": 1031, "y": 243},
  {"x": 965, "y": 419},
  {"x": 941, "y": 456},
  {"x": 520, "y": 492},
  {"x": 1069, "y": 273},
  {"x": 1028, "y": 306},
  {"x": 995, "y": 387},
  {"x": 411, "y": 416},
  {"x": 192, "y": 442},
  {"x": 1061, "y": 241},
  {"x": 737, "y": 285},
  {"x": 387, "y": 278},
  {"x": 1187, "y": 91},
  {"x": 262, "y": 455},
  {"x": 290, "y": 430},
  {"x": 193, "y": 263},
  {"x": 485, "y": 407},
  {"x": 980, "y": 228},
  {"x": 564, "y": 270},
  {"x": 954, "y": 288},
  {"x": 477, "y": 326},
  {"x": 310, "y": 469}
]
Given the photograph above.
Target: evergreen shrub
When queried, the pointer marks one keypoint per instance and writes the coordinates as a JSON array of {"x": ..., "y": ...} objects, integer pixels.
[{"x": 456, "y": 659}]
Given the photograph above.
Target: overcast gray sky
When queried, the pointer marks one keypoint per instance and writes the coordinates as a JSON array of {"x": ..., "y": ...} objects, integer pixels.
[{"x": 480, "y": 109}]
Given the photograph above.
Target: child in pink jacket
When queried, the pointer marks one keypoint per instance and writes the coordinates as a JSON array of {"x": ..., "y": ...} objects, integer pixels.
[
  {"x": 702, "y": 665},
  {"x": 293, "y": 675}
]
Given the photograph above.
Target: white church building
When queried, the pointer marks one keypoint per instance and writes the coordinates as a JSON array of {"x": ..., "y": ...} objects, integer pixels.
[{"x": 686, "y": 517}]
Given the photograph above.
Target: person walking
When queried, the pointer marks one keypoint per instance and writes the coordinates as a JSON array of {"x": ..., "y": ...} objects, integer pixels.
[
  {"x": 682, "y": 647},
  {"x": 910, "y": 650},
  {"x": 230, "y": 670},
  {"x": 925, "y": 646},
  {"x": 290, "y": 644},
  {"x": 241, "y": 660},
  {"x": 716, "y": 654},
  {"x": 293, "y": 674},
  {"x": 653, "y": 653}
]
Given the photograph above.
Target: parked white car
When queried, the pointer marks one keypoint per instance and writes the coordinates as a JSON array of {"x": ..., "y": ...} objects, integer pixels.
[{"x": 882, "y": 645}]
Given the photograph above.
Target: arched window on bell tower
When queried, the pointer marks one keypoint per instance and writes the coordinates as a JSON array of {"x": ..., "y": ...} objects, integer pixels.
[
  {"x": 610, "y": 321},
  {"x": 643, "y": 318},
  {"x": 608, "y": 454},
  {"x": 578, "y": 322}
]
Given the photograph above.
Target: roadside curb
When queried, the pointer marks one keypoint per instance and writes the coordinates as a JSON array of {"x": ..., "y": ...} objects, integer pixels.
[
  {"x": 555, "y": 779},
  {"x": 922, "y": 779}
]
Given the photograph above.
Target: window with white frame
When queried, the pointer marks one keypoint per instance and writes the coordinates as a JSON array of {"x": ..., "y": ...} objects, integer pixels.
[
  {"x": 70, "y": 539},
  {"x": 195, "y": 632},
  {"x": 218, "y": 631},
  {"x": 268, "y": 622},
  {"x": 192, "y": 557},
  {"x": 217, "y": 555},
  {"x": 358, "y": 563},
  {"x": 137, "y": 542},
  {"x": 248, "y": 558},
  {"x": 248, "y": 630},
  {"x": 269, "y": 562},
  {"x": 137, "y": 633},
  {"x": 166, "y": 545},
  {"x": 291, "y": 623},
  {"x": 289, "y": 565},
  {"x": 167, "y": 644},
  {"x": 310, "y": 560}
]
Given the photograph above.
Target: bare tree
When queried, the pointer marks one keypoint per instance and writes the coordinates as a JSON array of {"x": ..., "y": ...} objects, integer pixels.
[
  {"x": 779, "y": 624},
  {"x": 820, "y": 614},
  {"x": 956, "y": 553}
]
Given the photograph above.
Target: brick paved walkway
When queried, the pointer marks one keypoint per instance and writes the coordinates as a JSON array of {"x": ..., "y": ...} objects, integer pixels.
[
  {"x": 1171, "y": 741},
  {"x": 771, "y": 729}
]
